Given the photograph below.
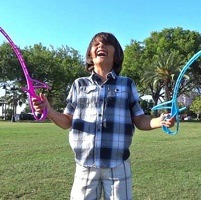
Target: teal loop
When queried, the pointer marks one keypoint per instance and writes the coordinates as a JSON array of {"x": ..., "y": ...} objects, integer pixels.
[{"x": 172, "y": 104}]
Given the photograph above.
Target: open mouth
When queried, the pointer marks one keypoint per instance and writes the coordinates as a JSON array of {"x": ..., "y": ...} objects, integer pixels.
[{"x": 101, "y": 53}]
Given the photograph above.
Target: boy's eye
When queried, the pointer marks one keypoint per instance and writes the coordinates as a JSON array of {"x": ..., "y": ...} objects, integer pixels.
[
  {"x": 95, "y": 44},
  {"x": 107, "y": 43}
]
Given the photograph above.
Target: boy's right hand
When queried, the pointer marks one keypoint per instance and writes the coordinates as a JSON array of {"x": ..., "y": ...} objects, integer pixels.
[{"x": 40, "y": 104}]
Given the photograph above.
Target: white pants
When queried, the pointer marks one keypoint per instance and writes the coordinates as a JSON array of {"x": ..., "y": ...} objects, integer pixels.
[{"x": 116, "y": 183}]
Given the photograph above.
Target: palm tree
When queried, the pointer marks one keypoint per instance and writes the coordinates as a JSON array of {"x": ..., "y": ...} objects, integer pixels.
[
  {"x": 161, "y": 75},
  {"x": 12, "y": 98}
]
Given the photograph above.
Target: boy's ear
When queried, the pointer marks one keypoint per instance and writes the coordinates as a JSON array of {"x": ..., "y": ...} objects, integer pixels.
[
  {"x": 91, "y": 59},
  {"x": 115, "y": 59}
]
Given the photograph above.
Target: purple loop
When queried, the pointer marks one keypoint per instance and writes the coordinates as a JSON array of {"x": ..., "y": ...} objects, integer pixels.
[{"x": 30, "y": 89}]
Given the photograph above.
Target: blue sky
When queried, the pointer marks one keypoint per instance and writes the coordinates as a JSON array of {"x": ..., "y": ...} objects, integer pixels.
[{"x": 74, "y": 22}]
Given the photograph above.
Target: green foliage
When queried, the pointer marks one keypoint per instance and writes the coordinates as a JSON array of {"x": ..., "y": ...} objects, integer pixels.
[
  {"x": 185, "y": 41},
  {"x": 146, "y": 106},
  {"x": 57, "y": 67},
  {"x": 155, "y": 63},
  {"x": 132, "y": 66},
  {"x": 9, "y": 65},
  {"x": 196, "y": 106}
]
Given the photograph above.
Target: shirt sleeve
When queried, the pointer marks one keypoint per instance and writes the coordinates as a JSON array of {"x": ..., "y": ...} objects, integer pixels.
[
  {"x": 135, "y": 107},
  {"x": 71, "y": 100}
]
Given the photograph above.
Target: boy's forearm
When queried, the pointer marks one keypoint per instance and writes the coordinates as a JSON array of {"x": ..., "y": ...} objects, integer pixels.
[
  {"x": 144, "y": 122},
  {"x": 60, "y": 119},
  {"x": 155, "y": 123}
]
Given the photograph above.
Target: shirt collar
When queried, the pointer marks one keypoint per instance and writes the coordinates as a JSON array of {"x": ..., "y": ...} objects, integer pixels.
[{"x": 110, "y": 75}]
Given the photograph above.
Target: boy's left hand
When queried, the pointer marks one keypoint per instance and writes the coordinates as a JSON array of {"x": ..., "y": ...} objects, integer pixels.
[{"x": 166, "y": 121}]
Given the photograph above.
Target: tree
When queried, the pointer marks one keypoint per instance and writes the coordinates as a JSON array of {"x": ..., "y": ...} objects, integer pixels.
[
  {"x": 157, "y": 60},
  {"x": 9, "y": 65},
  {"x": 12, "y": 97},
  {"x": 56, "y": 67},
  {"x": 196, "y": 106},
  {"x": 160, "y": 79},
  {"x": 132, "y": 65},
  {"x": 185, "y": 43}
]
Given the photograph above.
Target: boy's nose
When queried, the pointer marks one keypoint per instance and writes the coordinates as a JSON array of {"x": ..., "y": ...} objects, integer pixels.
[{"x": 100, "y": 45}]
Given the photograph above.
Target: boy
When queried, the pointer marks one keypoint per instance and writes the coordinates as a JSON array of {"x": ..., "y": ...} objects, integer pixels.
[{"x": 102, "y": 111}]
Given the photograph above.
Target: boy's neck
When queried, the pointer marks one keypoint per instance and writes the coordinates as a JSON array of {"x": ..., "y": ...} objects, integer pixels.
[{"x": 102, "y": 72}]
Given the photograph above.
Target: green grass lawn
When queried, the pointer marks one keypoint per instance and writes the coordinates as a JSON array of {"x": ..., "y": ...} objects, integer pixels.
[{"x": 36, "y": 162}]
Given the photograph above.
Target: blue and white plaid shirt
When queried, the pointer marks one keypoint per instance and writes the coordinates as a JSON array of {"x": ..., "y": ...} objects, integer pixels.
[{"x": 102, "y": 126}]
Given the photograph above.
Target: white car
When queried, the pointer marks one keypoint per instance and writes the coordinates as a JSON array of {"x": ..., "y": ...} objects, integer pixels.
[{"x": 187, "y": 118}]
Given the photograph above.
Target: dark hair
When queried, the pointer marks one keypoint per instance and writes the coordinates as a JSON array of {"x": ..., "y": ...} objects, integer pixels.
[{"x": 106, "y": 38}]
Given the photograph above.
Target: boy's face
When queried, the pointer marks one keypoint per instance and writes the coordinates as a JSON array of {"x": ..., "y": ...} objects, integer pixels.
[{"x": 102, "y": 54}]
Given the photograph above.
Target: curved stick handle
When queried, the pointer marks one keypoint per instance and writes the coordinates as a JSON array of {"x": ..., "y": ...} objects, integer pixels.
[
  {"x": 174, "y": 113},
  {"x": 37, "y": 117},
  {"x": 30, "y": 90},
  {"x": 169, "y": 131}
]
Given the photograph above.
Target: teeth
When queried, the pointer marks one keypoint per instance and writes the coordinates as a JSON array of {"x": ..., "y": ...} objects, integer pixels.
[{"x": 101, "y": 53}]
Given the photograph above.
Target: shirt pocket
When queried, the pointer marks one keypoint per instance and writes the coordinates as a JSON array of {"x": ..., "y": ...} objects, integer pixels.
[
  {"x": 87, "y": 102},
  {"x": 117, "y": 98}
]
